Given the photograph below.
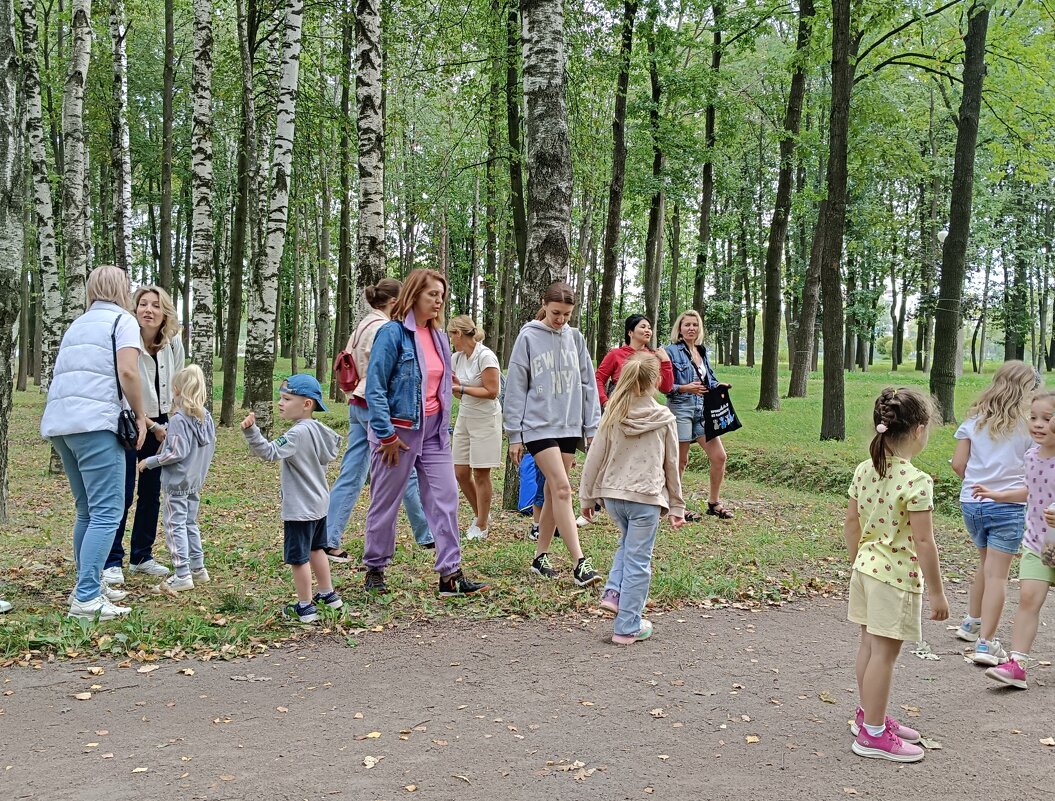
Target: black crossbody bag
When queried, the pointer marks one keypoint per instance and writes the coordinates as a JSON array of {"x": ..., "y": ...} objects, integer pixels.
[{"x": 127, "y": 430}]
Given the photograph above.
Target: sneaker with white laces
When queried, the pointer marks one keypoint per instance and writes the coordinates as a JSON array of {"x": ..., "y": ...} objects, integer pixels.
[
  {"x": 330, "y": 599},
  {"x": 113, "y": 575},
  {"x": 150, "y": 567},
  {"x": 542, "y": 566},
  {"x": 903, "y": 732},
  {"x": 5, "y": 607},
  {"x": 112, "y": 593},
  {"x": 200, "y": 576},
  {"x": 303, "y": 613},
  {"x": 97, "y": 608},
  {"x": 474, "y": 532},
  {"x": 174, "y": 584},
  {"x": 969, "y": 629},
  {"x": 989, "y": 653},
  {"x": 585, "y": 575}
]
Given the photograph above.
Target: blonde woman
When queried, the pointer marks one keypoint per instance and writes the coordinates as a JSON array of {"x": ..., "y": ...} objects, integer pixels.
[
  {"x": 694, "y": 378},
  {"x": 96, "y": 366},
  {"x": 477, "y": 441},
  {"x": 161, "y": 358}
]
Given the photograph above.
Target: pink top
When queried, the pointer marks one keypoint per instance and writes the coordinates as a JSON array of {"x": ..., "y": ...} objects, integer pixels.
[
  {"x": 433, "y": 370},
  {"x": 1040, "y": 483}
]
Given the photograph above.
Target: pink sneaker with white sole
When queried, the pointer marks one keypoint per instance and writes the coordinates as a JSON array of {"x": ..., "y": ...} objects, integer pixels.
[
  {"x": 886, "y": 746},
  {"x": 900, "y": 729},
  {"x": 610, "y": 601},
  {"x": 1010, "y": 673}
]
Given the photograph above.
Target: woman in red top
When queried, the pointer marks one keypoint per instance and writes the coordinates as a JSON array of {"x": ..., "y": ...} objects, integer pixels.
[{"x": 637, "y": 337}]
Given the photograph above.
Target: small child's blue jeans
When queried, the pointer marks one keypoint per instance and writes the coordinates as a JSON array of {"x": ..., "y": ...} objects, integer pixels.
[{"x": 631, "y": 571}]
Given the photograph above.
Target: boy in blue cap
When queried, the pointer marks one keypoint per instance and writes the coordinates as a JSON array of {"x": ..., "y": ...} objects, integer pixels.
[{"x": 304, "y": 450}]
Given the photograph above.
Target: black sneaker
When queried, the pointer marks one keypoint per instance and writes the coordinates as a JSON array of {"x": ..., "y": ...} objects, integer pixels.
[
  {"x": 541, "y": 566},
  {"x": 584, "y": 573},
  {"x": 375, "y": 581},
  {"x": 305, "y": 613},
  {"x": 337, "y": 555},
  {"x": 533, "y": 534},
  {"x": 430, "y": 546},
  {"x": 331, "y": 599},
  {"x": 457, "y": 584}
]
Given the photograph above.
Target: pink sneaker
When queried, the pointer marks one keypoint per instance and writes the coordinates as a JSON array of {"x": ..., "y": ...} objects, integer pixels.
[
  {"x": 1010, "y": 673},
  {"x": 610, "y": 601},
  {"x": 902, "y": 731},
  {"x": 886, "y": 746}
]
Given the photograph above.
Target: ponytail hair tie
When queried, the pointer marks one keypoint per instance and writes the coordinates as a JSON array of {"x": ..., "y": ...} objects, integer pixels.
[{"x": 881, "y": 428}]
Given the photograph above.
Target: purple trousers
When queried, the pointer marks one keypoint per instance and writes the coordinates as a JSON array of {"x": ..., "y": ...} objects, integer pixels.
[{"x": 430, "y": 454}]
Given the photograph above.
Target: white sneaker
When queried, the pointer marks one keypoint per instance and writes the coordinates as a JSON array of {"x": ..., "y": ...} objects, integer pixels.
[
  {"x": 5, "y": 607},
  {"x": 989, "y": 653},
  {"x": 112, "y": 593},
  {"x": 113, "y": 575},
  {"x": 98, "y": 607},
  {"x": 174, "y": 584},
  {"x": 581, "y": 521},
  {"x": 200, "y": 576},
  {"x": 476, "y": 533},
  {"x": 150, "y": 567}
]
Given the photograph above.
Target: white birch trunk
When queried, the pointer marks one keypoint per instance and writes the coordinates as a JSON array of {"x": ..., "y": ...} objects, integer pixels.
[
  {"x": 548, "y": 147},
  {"x": 204, "y": 314},
  {"x": 12, "y": 225},
  {"x": 260, "y": 350},
  {"x": 371, "y": 129},
  {"x": 51, "y": 290},
  {"x": 74, "y": 201},
  {"x": 120, "y": 158}
]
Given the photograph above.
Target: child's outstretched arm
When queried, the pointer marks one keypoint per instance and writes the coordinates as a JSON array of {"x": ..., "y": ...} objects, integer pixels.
[
  {"x": 999, "y": 496},
  {"x": 174, "y": 449},
  {"x": 927, "y": 553},
  {"x": 852, "y": 529},
  {"x": 281, "y": 448}
]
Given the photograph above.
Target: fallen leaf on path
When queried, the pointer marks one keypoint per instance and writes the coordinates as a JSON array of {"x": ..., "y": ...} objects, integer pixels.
[
  {"x": 923, "y": 651},
  {"x": 187, "y": 671},
  {"x": 440, "y": 742},
  {"x": 745, "y": 718},
  {"x": 370, "y": 761},
  {"x": 282, "y": 708},
  {"x": 930, "y": 745},
  {"x": 913, "y": 711},
  {"x": 657, "y": 713},
  {"x": 459, "y": 776},
  {"x": 411, "y": 788},
  {"x": 147, "y": 668},
  {"x": 1050, "y": 741},
  {"x": 357, "y": 716},
  {"x": 140, "y": 770},
  {"x": 827, "y": 698},
  {"x": 83, "y": 696},
  {"x": 850, "y": 791},
  {"x": 371, "y": 736},
  {"x": 664, "y": 757},
  {"x": 227, "y": 777},
  {"x": 586, "y": 703},
  {"x": 584, "y": 774},
  {"x": 95, "y": 670},
  {"x": 107, "y": 756},
  {"x": 650, "y": 790},
  {"x": 752, "y": 739}
]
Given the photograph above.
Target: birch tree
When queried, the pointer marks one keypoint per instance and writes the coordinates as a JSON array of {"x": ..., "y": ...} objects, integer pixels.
[
  {"x": 50, "y": 322},
  {"x": 371, "y": 128},
  {"x": 11, "y": 226},
  {"x": 120, "y": 156},
  {"x": 260, "y": 351},
  {"x": 74, "y": 198},
  {"x": 201, "y": 245}
]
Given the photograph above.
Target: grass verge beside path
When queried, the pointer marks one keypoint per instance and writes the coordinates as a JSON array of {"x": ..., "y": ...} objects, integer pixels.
[{"x": 784, "y": 541}]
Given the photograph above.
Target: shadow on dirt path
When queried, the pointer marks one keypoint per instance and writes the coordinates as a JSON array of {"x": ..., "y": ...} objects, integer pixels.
[{"x": 541, "y": 710}]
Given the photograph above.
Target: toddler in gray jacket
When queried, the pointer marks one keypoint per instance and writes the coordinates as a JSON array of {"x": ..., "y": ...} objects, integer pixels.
[{"x": 184, "y": 460}]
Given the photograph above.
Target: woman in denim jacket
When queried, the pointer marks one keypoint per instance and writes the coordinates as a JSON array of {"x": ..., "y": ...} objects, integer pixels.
[
  {"x": 408, "y": 395},
  {"x": 694, "y": 378}
]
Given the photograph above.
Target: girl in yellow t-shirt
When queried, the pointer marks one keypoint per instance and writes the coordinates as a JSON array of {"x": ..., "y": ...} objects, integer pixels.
[{"x": 890, "y": 538}]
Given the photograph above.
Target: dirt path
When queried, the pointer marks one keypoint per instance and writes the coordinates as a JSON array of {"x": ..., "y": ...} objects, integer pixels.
[{"x": 504, "y": 710}]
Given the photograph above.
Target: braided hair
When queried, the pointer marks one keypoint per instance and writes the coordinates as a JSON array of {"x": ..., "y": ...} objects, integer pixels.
[{"x": 898, "y": 411}]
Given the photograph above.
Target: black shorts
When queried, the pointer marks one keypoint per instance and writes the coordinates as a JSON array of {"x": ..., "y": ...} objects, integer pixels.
[
  {"x": 566, "y": 444},
  {"x": 300, "y": 538}
]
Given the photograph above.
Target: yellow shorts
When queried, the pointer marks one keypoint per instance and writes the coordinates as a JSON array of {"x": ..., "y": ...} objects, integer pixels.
[
  {"x": 884, "y": 610},
  {"x": 1032, "y": 569},
  {"x": 477, "y": 441}
]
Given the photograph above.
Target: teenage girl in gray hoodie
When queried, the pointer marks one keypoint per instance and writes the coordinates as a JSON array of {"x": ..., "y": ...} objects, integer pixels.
[
  {"x": 550, "y": 406},
  {"x": 184, "y": 460}
]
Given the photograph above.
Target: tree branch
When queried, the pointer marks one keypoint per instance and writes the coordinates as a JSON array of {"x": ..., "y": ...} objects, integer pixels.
[{"x": 889, "y": 34}]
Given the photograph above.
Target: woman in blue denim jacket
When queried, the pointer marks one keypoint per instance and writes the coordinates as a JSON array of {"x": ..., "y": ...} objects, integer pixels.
[
  {"x": 694, "y": 378},
  {"x": 408, "y": 395}
]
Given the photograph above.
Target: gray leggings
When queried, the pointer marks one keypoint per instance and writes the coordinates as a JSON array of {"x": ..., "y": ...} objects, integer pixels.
[{"x": 181, "y": 532}]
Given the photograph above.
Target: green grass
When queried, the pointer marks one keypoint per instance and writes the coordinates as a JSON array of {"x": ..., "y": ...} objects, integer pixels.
[{"x": 786, "y": 541}]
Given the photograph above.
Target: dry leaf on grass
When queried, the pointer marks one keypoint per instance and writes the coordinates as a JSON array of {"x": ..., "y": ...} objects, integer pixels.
[{"x": 1049, "y": 741}]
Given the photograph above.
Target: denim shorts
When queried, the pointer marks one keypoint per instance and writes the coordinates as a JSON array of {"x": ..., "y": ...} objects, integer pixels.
[
  {"x": 995, "y": 525},
  {"x": 300, "y": 538},
  {"x": 690, "y": 424}
]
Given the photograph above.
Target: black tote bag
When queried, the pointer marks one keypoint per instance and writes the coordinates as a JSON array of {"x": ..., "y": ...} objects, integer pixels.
[{"x": 719, "y": 416}]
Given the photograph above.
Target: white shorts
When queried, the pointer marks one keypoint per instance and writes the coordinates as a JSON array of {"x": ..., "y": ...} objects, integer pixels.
[{"x": 477, "y": 441}]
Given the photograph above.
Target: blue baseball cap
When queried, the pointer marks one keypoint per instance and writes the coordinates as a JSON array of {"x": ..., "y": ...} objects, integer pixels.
[{"x": 305, "y": 386}]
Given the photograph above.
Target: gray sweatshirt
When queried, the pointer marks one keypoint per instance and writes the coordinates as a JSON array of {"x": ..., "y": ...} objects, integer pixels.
[
  {"x": 185, "y": 454},
  {"x": 305, "y": 450},
  {"x": 550, "y": 386}
]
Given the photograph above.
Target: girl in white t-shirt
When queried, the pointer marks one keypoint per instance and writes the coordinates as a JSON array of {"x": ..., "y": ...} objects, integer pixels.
[
  {"x": 990, "y": 458},
  {"x": 477, "y": 440}
]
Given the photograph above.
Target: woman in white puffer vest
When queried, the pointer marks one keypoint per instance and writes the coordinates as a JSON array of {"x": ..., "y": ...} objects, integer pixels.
[{"x": 80, "y": 419}]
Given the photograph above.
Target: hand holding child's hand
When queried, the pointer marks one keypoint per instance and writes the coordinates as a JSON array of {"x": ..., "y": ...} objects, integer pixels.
[
  {"x": 142, "y": 466},
  {"x": 939, "y": 606},
  {"x": 676, "y": 522},
  {"x": 249, "y": 422},
  {"x": 981, "y": 492}
]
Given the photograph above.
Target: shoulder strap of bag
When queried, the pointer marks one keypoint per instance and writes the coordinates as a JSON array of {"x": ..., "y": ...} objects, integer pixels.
[
  {"x": 692, "y": 361},
  {"x": 359, "y": 334},
  {"x": 113, "y": 345}
]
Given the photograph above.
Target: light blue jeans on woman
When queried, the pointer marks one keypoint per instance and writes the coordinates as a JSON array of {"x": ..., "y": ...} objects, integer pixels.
[
  {"x": 95, "y": 466},
  {"x": 349, "y": 485},
  {"x": 631, "y": 571}
]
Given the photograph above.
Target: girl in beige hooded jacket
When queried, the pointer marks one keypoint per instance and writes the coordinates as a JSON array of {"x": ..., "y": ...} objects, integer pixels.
[{"x": 632, "y": 468}]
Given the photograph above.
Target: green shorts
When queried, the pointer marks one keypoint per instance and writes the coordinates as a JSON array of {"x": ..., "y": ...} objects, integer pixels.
[{"x": 1032, "y": 569}]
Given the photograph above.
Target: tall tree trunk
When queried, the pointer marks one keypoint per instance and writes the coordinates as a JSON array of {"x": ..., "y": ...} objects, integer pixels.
[
  {"x": 343, "y": 326},
  {"x": 49, "y": 325},
  {"x": 12, "y": 232},
  {"x": 513, "y": 125},
  {"x": 707, "y": 179},
  {"x": 657, "y": 207},
  {"x": 675, "y": 262},
  {"x": 201, "y": 244},
  {"x": 609, "y": 255},
  {"x": 371, "y": 128},
  {"x": 322, "y": 310},
  {"x": 165, "y": 277},
  {"x": 948, "y": 317},
  {"x": 769, "y": 393},
  {"x": 120, "y": 157},
  {"x": 260, "y": 353},
  {"x": 74, "y": 199},
  {"x": 491, "y": 213}
]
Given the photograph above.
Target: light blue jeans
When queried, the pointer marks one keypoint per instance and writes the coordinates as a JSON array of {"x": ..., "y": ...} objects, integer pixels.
[
  {"x": 631, "y": 570},
  {"x": 95, "y": 466},
  {"x": 349, "y": 485}
]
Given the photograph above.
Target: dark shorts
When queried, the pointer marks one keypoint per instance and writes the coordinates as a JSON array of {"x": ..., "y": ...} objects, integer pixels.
[
  {"x": 300, "y": 538},
  {"x": 566, "y": 445}
]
